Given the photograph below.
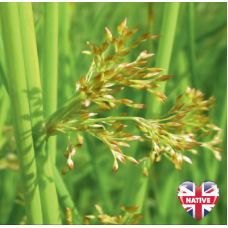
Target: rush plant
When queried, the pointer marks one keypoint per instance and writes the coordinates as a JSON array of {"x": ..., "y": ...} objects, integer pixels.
[{"x": 184, "y": 127}]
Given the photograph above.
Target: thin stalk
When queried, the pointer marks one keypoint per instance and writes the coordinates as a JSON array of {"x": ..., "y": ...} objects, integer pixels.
[
  {"x": 45, "y": 174},
  {"x": 166, "y": 41},
  {"x": 20, "y": 110},
  {"x": 137, "y": 197},
  {"x": 50, "y": 60},
  {"x": 2, "y": 66},
  {"x": 64, "y": 68},
  {"x": 191, "y": 37},
  {"x": 65, "y": 199}
]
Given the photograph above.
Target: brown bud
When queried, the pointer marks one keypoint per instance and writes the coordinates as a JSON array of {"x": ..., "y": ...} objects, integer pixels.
[
  {"x": 87, "y": 52},
  {"x": 90, "y": 216},
  {"x": 72, "y": 151},
  {"x": 122, "y": 53},
  {"x": 158, "y": 158},
  {"x": 86, "y": 221},
  {"x": 128, "y": 35},
  {"x": 152, "y": 157},
  {"x": 68, "y": 212},
  {"x": 179, "y": 160},
  {"x": 109, "y": 58},
  {"x": 134, "y": 30},
  {"x": 133, "y": 160},
  {"x": 141, "y": 63},
  {"x": 104, "y": 46},
  {"x": 144, "y": 36},
  {"x": 120, "y": 158},
  {"x": 178, "y": 100},
  {"x": 116, "y": 90},
  {"x": 120, "y": 44},
  {"x": 115, "y": 41},
  {"x": 115, "y": 166},
  {"x": 173, "y": 124},
  {"x": 70, "y": 163},
  {"x": 83, "y": 81},
  {"x": 64, "y": 171},
  {"x": 187, "y": 159},
  {"x": 113, "y": 105},
  {"x": 123, "y": 144},
  {"x": 122, "y": 207},
  {"x": 121, "y": 26},
  {"x": 80, "y": 138},
  {"x": 139, "y": 86},
  {"x": 98, "y": 208},
  {"x": 155, "y": 69},
  {"x": 135, "y": 44},
  {"x": 89, "y": 45},
  {"x": 125, "y": 101},
  {"x": 154, "y": 37},
  {"x": 145, "y": 55},
  {"x": 163, "y": 78},
  {"x": 108, "y": 34},
  {"x": 125, "y": 30},
  {"x": 96, "y": 50},
  {"x": 145, "y": 172}
]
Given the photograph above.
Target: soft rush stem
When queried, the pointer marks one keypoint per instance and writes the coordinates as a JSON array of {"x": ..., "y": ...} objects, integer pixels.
[
  {"x": 50, "y": 60},
  {"x": 20, "y": 110},
  {"x": 47, "y": 188}
]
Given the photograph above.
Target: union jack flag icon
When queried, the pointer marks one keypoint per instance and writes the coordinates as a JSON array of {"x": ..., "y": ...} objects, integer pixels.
[{"x": 198, "y": 201}]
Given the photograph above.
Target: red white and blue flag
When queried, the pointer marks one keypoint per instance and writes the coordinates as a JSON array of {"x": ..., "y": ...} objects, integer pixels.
[{"x": 198, "y": 201}]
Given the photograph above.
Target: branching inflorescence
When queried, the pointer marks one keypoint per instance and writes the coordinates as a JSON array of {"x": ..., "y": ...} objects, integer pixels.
[{"x": 180, "y": 129}]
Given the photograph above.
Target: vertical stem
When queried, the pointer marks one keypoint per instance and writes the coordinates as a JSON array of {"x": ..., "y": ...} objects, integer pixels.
[
  {"x": 191, "y": 37},
  {"x": 2, "y": 67},
  {"x": 50, "y": 60},
  {"x": 64, "y": 68},
  {"x": 49, "y": 200},
  {"x": 20, "y": 110},
  {"x": 166, "y": 41}
]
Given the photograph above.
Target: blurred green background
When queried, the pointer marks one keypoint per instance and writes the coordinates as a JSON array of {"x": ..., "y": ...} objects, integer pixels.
[{"x": 92, "y": 180}]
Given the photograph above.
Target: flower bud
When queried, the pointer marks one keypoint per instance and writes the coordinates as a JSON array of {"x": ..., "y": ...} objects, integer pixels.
[
  {"x": 179, "y": 160},
  {"x": 108, "y": 34},
  {"x": 145, "y": 172},
  {"x": 187, "y": 159},
  {"x": 120, "y": 158},
  {"x": 98, "y": 208},
  {"x": 115, "y": 166},
  {"x": 72, "y": 151},
  {"x": 133, "y": 160},
  {"x": 70, "y": 163}
]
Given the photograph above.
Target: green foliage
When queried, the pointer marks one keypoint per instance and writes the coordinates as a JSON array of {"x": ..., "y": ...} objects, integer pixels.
[{"x": 192, "y": 49}]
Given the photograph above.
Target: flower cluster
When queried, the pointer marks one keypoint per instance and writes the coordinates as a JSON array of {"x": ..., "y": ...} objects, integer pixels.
[
  {"x": 130, "y": 217},
  {"x": 181, "y": 129},
  {"x": 169, "y": 135}
]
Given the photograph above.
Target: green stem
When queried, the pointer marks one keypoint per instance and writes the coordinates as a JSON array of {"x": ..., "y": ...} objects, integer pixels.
[
  {"x": 165, "y": 48},
  {"x": 64, "y": 68},
  {"x": 20, "y": 110},
  {"x": 191, "y": 37},
  {"x": 50, "y": 60},
  {"x": 45, "y": 175},
  {"x": 65, "y": 199},
  {"x": 2, "y": 67}
]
